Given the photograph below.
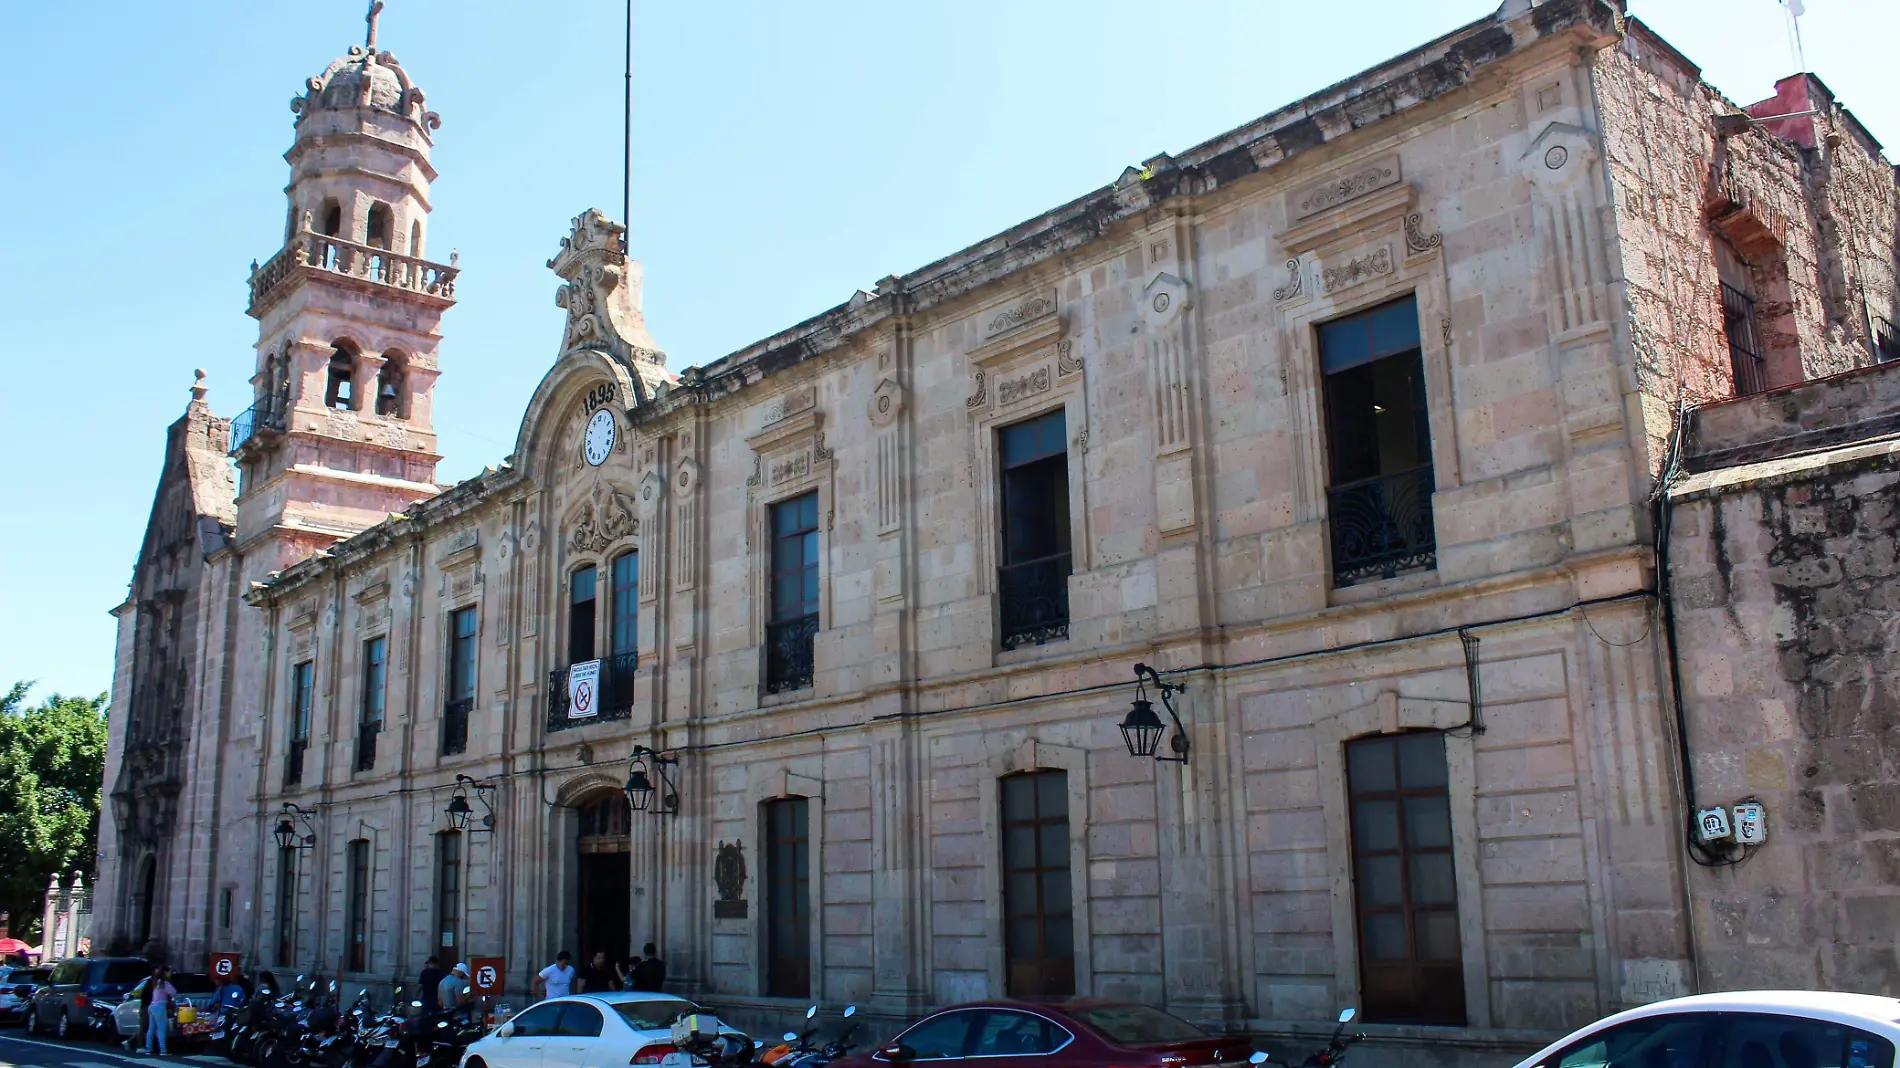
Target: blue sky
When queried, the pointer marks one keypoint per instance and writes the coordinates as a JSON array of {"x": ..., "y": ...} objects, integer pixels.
[{"x": 785, "y": 155}]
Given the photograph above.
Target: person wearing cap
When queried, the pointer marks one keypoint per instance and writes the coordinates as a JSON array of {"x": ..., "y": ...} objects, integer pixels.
[{"x": 448, "y": 993}]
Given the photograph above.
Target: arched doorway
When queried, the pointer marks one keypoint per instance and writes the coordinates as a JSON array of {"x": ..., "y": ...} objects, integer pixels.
[{"x": 605, "y": 880}]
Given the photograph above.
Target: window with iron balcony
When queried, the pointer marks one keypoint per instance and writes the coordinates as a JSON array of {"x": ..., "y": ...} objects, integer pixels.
[
  {"x": 619, "y": 668},
  {"x": 302, "y": 694},
  {"x": 461, "y": 689},
  {"x": 1032, "y": 580},
  {"x": 792, "y": 630},
  {"x": 1379, "y": 447}
]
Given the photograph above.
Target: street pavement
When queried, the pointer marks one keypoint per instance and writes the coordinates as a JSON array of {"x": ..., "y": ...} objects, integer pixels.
[{"x": 18, "y": 1051}]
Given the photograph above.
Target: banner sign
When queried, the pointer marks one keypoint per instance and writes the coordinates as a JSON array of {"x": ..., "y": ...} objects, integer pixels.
[
  {"x": 583, "y": 690},
  {"x": 224, "y": 966},
  {"x": 487, "y": 974}
]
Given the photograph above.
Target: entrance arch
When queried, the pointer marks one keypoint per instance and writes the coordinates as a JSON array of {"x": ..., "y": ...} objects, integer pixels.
[{"x": 604, "y": 885}]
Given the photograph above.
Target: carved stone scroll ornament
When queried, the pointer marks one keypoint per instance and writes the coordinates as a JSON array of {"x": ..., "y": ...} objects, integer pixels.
[
  {"x": 617, "y": 520},
  {"x": 1353, "y": 272},
  {"x": 1012, "y": 390},
  {"x": 1016, "y": 315},
  {"x": 981, "y": 396},
  {"x": 1067, "y": 363},
  {"x": 1349, "y": 186},
  {"x": 1416, "y": 240},
  {"x": 1295, "y": 281}
]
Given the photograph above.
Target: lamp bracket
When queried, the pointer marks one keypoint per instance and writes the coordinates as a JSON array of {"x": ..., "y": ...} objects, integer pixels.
[{"x": 1145, "y": 675}]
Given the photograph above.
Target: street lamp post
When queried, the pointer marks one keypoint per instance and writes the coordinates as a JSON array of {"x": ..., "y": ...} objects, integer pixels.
[
  {"x": 640, "y": 788},
  {"x": 1142, "y": 729}
]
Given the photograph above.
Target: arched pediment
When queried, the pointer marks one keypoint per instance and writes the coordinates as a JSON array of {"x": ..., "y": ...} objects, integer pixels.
[{"x": 538, "y": 442}]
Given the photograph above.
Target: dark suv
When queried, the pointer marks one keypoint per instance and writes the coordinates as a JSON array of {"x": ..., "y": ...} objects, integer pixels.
[{"x": 82, "y": 995}]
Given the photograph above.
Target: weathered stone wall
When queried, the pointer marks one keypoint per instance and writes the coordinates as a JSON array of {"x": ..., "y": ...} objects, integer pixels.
[{"x": 1787, "y": 595}]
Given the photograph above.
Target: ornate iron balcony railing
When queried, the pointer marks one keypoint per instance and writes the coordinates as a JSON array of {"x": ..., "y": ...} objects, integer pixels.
[
  {"x": 293, "y": 761},
  {"x": 1382, "y": 526},
  {"x": 788, "y": 653},
  {"x": 616, "y": 692},
  {"x": 266, "y": 415},
  {"x": 366, "y": 744},
  {"x": 1034, "y": 596},
  {"x": 455, "y": 726}
]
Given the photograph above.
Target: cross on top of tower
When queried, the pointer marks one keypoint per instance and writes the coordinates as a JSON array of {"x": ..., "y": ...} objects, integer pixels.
[{"x": 369, "y": 39}]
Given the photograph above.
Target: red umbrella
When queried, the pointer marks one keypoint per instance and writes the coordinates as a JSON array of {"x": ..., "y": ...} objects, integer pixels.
[{"x": 13, "y": 945}]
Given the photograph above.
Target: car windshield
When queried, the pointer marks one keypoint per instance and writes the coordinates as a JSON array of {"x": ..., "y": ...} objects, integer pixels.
[
  {"x": 1137, "y": 1025},
  {"x": 126, "y": 971},
  {"x": 651, "y": 1014},
  {"x": 193, "y": 983}
]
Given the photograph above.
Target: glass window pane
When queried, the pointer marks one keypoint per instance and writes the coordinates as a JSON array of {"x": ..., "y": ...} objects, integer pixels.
[
  {"x": 939, "y": 1036},
  {"x": 1427, "y": 823},
  {"x": 1437, "y": 932},
  {"x": 1055, "y": 891},
  {"x": 1375, "y": 825},
  {"x": 1019, "y": 847},
  {"x": 1019, "y": 797},
  {"x": 1058, "y": 936},
  {"x": 1022, "y": 937},
  {"x": 1384, "y": 936},
  {"x": 1657, "y": 1042},
  {"x": 1054, "y": 841},
  {"x": 1369, "y": 766},
  {"x": 1052, "y": 795},
  {"x": 1020, "y": 887},
  {"x": 583, "y": 584},
  {"x": 1422, "y": 760},
  {"x": 1432, "y": 882},
  {"x": 1379, "y": 882}
]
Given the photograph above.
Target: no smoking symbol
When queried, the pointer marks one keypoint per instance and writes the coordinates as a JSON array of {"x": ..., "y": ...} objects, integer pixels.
[{"x": 583, "y": 696}]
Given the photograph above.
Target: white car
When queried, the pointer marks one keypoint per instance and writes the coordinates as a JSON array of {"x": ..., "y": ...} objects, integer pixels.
[
  {"x": 1743, "y": 1029},
  {"x": 610, "y": 1030}
]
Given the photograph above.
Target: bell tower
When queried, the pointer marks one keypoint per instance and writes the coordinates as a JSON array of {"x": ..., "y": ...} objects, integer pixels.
[{"x": 349, "y": 313}]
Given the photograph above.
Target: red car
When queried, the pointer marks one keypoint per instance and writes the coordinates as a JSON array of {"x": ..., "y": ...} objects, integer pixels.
[{"x": 1072, "y": 1034}]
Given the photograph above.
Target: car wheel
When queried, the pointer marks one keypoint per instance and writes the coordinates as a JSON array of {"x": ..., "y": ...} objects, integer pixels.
[
  {"x": 477, "y": 1062},
  {"x": 63, "y": 1027},
  {"x": 32, "y": 1020}
]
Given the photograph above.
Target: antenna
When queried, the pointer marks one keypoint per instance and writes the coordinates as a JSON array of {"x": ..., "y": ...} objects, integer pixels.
[
  {"x": 626, "y": 151},
  {"x": 1795, "y": 9}
]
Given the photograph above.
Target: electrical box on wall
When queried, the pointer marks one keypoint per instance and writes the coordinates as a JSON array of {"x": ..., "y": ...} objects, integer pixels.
[
  {"x": 1712, "y": 824},
  {"x": 1751, "y": 823}
]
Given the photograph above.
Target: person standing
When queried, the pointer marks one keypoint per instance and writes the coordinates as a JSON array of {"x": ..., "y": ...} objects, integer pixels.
[
  {"x": 158, "y": 1017},
  {"x": 596, "y": 977},
  {"x": 448, "y": 992},
  {"x": 431, "y": 977},
  {"x": 649, "y": 972},
  {"x": 557, "y": 979}
]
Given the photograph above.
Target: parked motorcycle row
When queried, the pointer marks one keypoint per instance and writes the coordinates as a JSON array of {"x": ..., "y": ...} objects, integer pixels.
[{"x": 306, "y": 1027}]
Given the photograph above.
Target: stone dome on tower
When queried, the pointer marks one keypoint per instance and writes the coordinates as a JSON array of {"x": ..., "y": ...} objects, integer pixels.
[{"x": 365, "y": 78}]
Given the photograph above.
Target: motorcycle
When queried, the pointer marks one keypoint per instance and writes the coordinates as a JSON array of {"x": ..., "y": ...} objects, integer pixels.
[
  {"x": 798, "y": 1051},
  {"x": 1335, "y": 1051},
  {"x": 707, "y": 1042}
]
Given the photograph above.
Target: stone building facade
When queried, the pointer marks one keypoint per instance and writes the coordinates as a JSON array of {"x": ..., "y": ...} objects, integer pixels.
[{"x": 1345, "y": 424}]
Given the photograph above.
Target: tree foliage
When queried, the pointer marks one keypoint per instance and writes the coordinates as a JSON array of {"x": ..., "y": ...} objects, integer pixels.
[{"x": 52, "y": 766}]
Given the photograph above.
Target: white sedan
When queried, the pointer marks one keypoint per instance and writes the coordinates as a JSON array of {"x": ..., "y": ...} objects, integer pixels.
[
  {"x": 611, "y": 1030},
  {"x": 1743, "y": 1029}
]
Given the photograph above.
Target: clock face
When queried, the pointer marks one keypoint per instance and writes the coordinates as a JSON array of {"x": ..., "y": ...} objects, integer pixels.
[{"x": 599, "y": 439}]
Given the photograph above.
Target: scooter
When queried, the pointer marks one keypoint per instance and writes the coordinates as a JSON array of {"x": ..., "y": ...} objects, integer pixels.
[
  {"x": 798, "y": 1051},
  {"x": 1335, "y": 1051}
]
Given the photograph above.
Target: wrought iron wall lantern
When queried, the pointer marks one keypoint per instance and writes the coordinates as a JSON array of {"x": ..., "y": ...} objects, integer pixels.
[
  {"x": 288, "y": 834},
  {"x": 460, "y": 810},
  {"x": 641, "y": 787},
  {"x": 1142, "y": 729}
]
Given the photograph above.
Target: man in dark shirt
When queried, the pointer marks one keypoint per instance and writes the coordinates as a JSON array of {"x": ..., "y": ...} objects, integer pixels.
[
  {"x": 595, "y": 976},
  {"x": 431, "y": 977},
  {"x": 649, "y": 972}
]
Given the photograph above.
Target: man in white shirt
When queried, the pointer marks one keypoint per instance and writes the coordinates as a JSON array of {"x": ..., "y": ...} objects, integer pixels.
[{"x": 557, "y": 979}]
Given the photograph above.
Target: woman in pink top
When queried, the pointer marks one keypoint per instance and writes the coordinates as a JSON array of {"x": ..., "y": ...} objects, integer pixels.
[{"x": 158, "y": 1019}]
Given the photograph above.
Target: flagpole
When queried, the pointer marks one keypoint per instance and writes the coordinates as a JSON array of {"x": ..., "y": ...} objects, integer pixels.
[{"x": 626, "y": 147}]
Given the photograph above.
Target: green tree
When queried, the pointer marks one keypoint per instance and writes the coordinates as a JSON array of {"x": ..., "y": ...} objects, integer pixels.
[{"x": 52, "y": 765}]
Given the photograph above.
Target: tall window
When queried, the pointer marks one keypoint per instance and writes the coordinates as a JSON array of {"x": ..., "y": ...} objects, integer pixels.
[
  {"x": 332, "y": 218},
  {"x": 1410, "y": 969},
  {"x": 389, "y": 386},
  {"x": 224, "y": 909},
  {"x": 302, "y": 694},
  {"x": 339, "y": 392},
  {"x": 357, "y": 920},
  {"x": 581, "y": 615},
  {"x": 794, "y": 624},
  {"x": 787, "y": 898},
  {"x": 375, "y": 674},
  {"x": 461, "y": 681},
  {"x": 448, "y": 894},
  {"x": 626, "y": 605},
  {"x": 415, "y": 238},
  {"x": 287, "y": 905},
  {"x": 1379, "y": 444},
  {"x": 1033, "y": 581},
  {"x": 1038, "y": 908},
  {"x": 377, "y": 233},
  {"x": 1738, "y": 320}
]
